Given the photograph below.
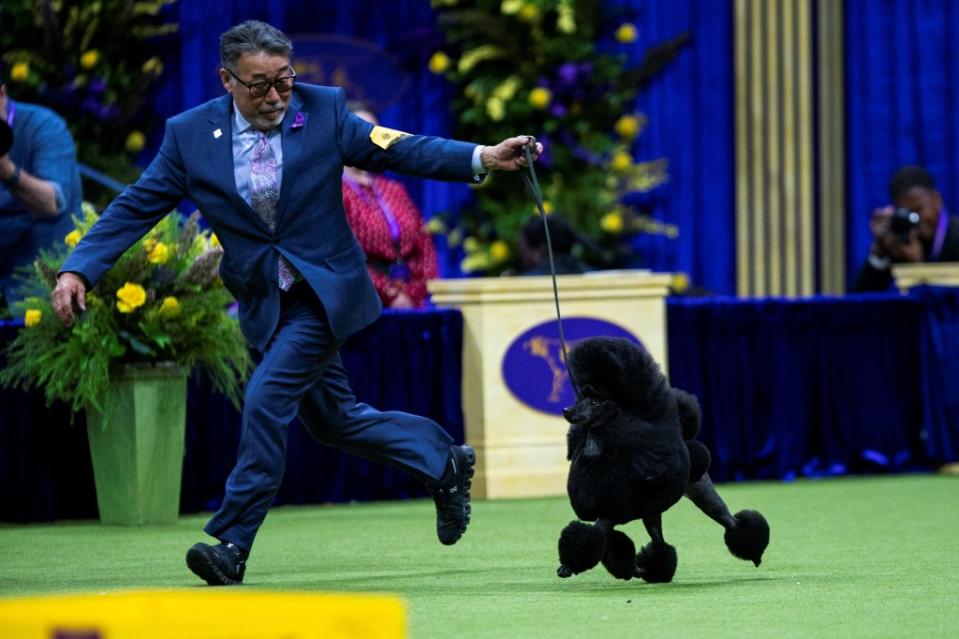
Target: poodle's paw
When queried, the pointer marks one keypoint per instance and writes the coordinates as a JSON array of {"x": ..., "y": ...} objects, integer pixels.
[
  {"x": 748, "y": 538},
  {"x": 581, "y": 546},
  {"x": 564, "y": 571},
  {"x": 620, "y": 557},
  {"x": 656, "y": 563}
]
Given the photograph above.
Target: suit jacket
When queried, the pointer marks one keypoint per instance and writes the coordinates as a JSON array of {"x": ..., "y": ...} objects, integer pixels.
[{"x": 319, "y": 136}]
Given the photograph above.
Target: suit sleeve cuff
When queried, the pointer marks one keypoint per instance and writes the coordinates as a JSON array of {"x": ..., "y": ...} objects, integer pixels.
[{"x": 478, "y": 160}]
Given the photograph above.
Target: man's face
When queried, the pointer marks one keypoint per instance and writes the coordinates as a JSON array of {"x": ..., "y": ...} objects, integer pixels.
[
  {"x": 267, "y": 111},
  {"x": 926, "y": 203}
]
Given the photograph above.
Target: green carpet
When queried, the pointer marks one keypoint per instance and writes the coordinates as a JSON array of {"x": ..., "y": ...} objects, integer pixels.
[{"x": 854, "y": 557}]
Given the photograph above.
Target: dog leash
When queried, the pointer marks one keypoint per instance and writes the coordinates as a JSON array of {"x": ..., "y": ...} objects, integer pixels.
[{"x": 533, "y": 184}]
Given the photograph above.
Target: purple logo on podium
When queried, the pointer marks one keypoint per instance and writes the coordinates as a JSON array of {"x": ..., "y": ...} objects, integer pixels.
[{"x": 533, "y": 367}]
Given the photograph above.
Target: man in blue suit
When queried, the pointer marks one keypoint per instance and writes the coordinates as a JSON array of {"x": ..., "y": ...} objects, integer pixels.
[{"x": 263, "y": 164}]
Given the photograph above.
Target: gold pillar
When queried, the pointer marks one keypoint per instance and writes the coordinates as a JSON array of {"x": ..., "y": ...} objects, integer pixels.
[{"x": 784, "y": 174}]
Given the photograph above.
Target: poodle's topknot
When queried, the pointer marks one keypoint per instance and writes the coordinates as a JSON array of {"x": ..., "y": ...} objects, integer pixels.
[{"x": 620, "y": 370}]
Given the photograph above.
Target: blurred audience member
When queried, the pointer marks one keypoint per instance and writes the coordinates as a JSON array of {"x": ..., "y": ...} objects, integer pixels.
[
  {"x": 533, "y": 254},
  {"x": 39, "y": 187},
  {"x": 399, "y": 250},
  {"x": 916, "y": 227}
]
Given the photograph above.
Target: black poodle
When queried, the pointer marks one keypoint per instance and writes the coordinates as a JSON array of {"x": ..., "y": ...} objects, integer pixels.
[{"x": 633, "y": 455}]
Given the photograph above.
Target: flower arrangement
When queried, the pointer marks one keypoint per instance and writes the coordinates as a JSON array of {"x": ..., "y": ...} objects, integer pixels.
[
  {"x": 534, "y": 66},
  {"x": 161, "y": 302},
  {"x": 95, "y": 62}
]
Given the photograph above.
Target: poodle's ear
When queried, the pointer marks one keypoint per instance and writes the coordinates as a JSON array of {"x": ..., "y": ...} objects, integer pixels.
[{"x": 690, "y": 417}]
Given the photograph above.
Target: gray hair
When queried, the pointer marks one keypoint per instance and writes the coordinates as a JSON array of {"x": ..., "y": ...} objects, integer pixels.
[{"x": 254, "y": 37}]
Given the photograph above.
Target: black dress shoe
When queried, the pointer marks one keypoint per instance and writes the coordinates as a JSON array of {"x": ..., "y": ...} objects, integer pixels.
[
  {"x": 220, "y": 565},
  {"x": 452, "y": 495}
]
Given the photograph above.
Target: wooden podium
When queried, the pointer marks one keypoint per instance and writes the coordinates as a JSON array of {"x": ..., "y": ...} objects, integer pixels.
[
  {"x": 934, "y": 273},
  {"x": 514, "y": 379}
]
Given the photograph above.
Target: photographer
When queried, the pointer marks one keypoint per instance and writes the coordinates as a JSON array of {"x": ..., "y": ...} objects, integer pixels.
[
  {"x": 915, "y": 228},
  {"x": 39, "y": 185}
]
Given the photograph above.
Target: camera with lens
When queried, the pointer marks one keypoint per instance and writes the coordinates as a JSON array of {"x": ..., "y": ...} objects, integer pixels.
[{"x": 902, "y": 222}]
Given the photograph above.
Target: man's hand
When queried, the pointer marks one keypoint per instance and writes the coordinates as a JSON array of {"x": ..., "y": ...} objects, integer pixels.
[
  {"x": 70, "y": 288},
  {"x": 508, "y": 155}
]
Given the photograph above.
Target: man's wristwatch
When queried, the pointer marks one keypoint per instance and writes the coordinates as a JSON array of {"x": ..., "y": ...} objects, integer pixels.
[{"x": 14, "y": 178}]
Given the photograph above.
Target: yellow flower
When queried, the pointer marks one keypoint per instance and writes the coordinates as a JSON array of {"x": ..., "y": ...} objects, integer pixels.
[
  {"x": 135, "y": 141},
  {"x": 439, "y": 62},
  {"x": 149, "y": 244},
  {"x": 547, "y": 207},
  {"x": 32, "y": 317},
  {"x": 626, "y": 33},
  {"x": 680, "y": 282},
  {"x": 130, "y": 297},
  {"x": 566, "y": 21},
  {"x": 214, "y": 240},
  {"x": 19, "y": 71},
  {"x": 540, "y": 97},
  {"x": 612, "y": 222},
  {"x": 436, "y": 225},
  {"x": 509, "y": 7},
  {"x": 499, "y": 250},
  {"x": 529, "y": 13},
  {"x": 475, "y": 262},
  {"x": 72, "y": 238},
  {"x": 621, "y": 162},
  {"x": 627, "y": 127},
  {"x": 455, "y": 238},
  {"x": 496, "y": 109},
  {"x": 160, "y": 254},
  {"x": 471, "y": 245},
  {"x": 507, "y": 88},
  {"x": 89, "y": 59},
  {"x": 154, "y": 65},
  {"x": 170, "y": 306}
]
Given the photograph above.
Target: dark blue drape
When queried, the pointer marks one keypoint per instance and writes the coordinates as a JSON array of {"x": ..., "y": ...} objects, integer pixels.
[
  {"x": 691, "y": 115},
  {"x": 902, "y": 103},
  {"x": 940, "y": 371},
  {"x": 804, "y": 387},
  {"x": 407, "y": 361}
]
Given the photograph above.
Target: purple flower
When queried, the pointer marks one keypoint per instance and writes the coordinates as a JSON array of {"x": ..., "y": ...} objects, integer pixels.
[
  {"x": 97, "y": 86},
  {"x": 557, "y": 110},
  {"x": 567, "y": 73},
  {"x": 298, "y": 120},
  {"x": 108, "y": 111}
]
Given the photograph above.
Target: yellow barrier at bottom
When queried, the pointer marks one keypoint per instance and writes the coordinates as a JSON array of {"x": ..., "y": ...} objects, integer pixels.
[{"x": 203, "y": 614}]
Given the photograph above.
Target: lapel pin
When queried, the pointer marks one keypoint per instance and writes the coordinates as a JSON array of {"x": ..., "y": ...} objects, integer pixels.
[
  {"x": 217, "y": 134},
  {"x": 298, "y": 121}
]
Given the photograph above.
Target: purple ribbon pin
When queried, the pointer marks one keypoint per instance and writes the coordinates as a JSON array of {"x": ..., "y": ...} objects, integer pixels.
[{"x": 298, "y": 120}]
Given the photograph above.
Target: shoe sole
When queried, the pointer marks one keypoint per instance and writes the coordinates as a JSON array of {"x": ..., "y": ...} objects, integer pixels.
[{"x": 204, "y": 568}]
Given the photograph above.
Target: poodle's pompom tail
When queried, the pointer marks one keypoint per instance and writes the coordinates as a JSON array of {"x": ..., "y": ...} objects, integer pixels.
[
  {"x": 620, "y": 557},
  {"x": 581, "y": 547},
  {"x": 749, "y": 537},
  {"x": 656, "y": 563}
]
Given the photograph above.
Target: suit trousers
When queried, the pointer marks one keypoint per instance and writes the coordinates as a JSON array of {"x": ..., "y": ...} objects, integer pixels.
[{"x": 301, "y": 374}]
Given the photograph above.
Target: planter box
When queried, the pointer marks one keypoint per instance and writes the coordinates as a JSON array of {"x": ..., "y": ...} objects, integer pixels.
[{"x": 137, "y": 446}]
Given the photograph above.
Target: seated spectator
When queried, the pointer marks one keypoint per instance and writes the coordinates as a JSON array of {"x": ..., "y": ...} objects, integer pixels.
[
  {"x": 915, "y": 228},
  {"x": 399, "y": 250},
  {"x": 39, "y": 187},
  {"x": 533, "y": 254}
]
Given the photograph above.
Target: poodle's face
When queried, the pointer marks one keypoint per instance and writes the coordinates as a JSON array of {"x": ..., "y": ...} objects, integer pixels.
[{"x": 590, "y": 412}]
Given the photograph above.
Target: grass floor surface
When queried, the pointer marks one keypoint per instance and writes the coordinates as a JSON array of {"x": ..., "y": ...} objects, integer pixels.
[{"x": 852, "y": 557}]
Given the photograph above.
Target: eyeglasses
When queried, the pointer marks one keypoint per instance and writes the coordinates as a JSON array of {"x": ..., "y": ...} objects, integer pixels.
[{"x": 260, "y": 89}]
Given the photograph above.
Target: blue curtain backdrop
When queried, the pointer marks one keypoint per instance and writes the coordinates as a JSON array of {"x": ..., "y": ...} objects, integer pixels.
[
  {"x": 691, "y": 117},
  {"x": 689, "y": 106},
  {"x": 902, "y": 101}
]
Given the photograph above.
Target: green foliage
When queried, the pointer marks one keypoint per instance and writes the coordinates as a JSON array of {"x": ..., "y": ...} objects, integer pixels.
[
  {"x": 161, "y": 302},
  {"x": 94, "y": 62},
  {"x": 533, "y": 67}
]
